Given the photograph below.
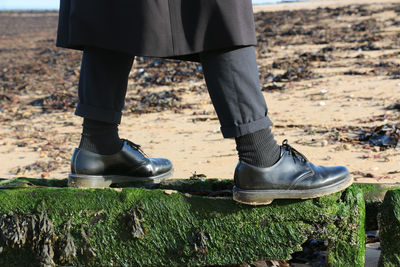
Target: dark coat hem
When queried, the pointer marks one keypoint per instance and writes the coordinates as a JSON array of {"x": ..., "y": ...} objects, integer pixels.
[
  {"x": 179, "y": 29},
  {"x": 194, "y": 56}
]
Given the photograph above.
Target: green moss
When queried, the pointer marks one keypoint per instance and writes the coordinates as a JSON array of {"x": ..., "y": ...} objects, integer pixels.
[
  {"x": 348, "y": 248},
  {"x": 389, "y": 230},
  {"x": 182, "y": 229},
  {"x": 21, "y": 182}
]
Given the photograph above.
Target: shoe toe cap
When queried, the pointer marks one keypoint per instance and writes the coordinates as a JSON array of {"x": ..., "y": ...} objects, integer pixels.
[
  {"x": 160, "y": 165},
  {"x": 332, "y": 175}
]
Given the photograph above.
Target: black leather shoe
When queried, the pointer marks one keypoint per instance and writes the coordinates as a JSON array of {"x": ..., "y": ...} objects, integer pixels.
[
  {"x": 92, "y": 170},
  {"x": 293, "y": 176}
]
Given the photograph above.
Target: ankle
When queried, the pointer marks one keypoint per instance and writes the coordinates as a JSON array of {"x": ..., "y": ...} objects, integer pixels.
[
  {"x": 100, "y": 137},
  {"x": 258, "y": 149}
]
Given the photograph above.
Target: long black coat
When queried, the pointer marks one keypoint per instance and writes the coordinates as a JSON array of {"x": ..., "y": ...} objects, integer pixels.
[{"x": 158, "y": 28}]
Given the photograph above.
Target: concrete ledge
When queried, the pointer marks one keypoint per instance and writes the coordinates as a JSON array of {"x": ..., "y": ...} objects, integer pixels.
[{"x": 182, "y": 222}]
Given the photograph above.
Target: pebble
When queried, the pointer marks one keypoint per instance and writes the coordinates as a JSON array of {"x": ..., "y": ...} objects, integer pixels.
[
  {"x": 27, "y": 114},
  {"x": 346, "y": 146},
  {"x": 324, "y": 143},
  {"x": 323, "y": 91},
  {"x": 169, "y": 192},
  {"x": 321, "y": 103}
]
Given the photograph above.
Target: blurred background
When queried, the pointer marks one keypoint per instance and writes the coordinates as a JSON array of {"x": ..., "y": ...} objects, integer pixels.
[{"x": 53, "y": 4}]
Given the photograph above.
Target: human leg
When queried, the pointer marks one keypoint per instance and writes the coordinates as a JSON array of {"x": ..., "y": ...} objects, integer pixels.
[
  {"x": 102, "y": 89},
  {"x": 232, "y": 80},
  {"x": 102, "y": 157},
  {"x": 234, "y": 87},
  {"x": 102, "y": 84}
]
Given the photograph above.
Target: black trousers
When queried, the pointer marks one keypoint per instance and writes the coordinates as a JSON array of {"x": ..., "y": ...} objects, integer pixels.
[{"x": 231, "y": 77}]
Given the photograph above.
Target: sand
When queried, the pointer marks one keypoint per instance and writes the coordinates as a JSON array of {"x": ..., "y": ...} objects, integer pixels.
[{"x": 301, "y": 113}]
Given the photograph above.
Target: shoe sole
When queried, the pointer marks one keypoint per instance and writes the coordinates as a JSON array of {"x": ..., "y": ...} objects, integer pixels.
[
  {"x": 104, "y": 181},
  {"x": 265, "y": 197}
]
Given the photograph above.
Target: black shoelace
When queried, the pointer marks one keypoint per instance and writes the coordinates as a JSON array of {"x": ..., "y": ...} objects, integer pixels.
[
  {"x": 135, "y": 146},
  {"x": 292, "y": 151}
]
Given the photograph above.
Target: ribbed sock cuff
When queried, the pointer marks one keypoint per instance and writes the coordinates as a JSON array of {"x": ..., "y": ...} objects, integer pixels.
[
  {"x": 258, "y": 149},
  {"x": 100, "y": 137}
]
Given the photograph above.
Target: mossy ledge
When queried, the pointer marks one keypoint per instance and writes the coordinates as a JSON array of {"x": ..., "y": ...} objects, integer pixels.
[
  {"x": 167, "y": 226},
  {"x": 389, "y": 229}
]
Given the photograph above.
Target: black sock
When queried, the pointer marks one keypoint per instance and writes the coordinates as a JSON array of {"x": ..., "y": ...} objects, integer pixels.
[
  {"x": 258, "y": 149},
  {"x": 100, "y": 137}
]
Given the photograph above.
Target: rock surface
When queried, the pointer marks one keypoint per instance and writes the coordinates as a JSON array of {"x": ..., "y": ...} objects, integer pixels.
[{"x": 139, "y": 226}]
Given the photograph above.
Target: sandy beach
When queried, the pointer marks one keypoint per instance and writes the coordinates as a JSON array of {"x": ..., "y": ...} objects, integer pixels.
[{"x": 329, "y": 72}]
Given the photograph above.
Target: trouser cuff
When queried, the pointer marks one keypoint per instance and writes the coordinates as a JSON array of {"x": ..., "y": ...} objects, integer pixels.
[
  {"x": 247, "y": 128},
  {"x": 98, "y": 114}
]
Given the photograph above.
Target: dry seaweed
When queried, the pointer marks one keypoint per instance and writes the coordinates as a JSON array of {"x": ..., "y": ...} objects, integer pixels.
[
  {"x": 134, "y": 222},
  {"x": 56, "y": 101},
  {"x": 384, "y": 136},
  {"x": 67, "y": 246},
  {"x": 147, "y": 102},
  {"x": 199, "y": 240},
  {"x": 87, "y": 250},
  {"x": 150, "y": 72},
  {"x": 43, "y": 237},
  {"x": 36, "y": 233},
  {"x": 395, "y": 106},
  {"x": 13, "y": 231}
]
